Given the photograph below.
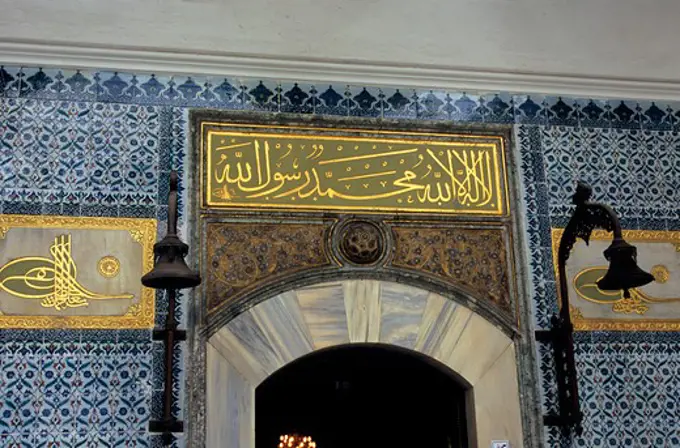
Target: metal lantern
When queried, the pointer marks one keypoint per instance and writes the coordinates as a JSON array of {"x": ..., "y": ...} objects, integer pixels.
[
  {"x": 623, "y": 274},
  {"x": 170, "y": 271}
]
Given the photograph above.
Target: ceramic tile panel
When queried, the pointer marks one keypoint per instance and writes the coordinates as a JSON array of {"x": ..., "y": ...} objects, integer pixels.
[
  {"x": 496, "y": 107},
  {"x": 80, "y": 142},
  {"x": 259, "y": 95},
  {"x": 631, "y": 170},
  {"x": 464, "y": 106},
  {"x": 657, "y": 116},
  {"x": 74, "y": 385},
  {"x": 10, "y": 81},
  {"x": 399, "y": 103},
  {"x": 58, "y": 84},
  {"x": 363, "y": 101},
  {"x": 52, "y": 136},
  {"x": 299, "y": 98},
  {"x": 626, "y": 388},
  {"x": 592, "y": 113},
  {"x": 434, "y": 105},
  {"x": 561, "y": 111},
  {"x": 625, "y": 114},
  {"x": 331, "y": 100},
  {"x": 530, "y": 109}
]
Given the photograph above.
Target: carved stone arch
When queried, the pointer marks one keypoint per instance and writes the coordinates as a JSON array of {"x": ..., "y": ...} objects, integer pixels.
[
  {"x": 277, "y": 331},
  {"x": 305, "y": 252},
  {"x": 270, "y": 288}
]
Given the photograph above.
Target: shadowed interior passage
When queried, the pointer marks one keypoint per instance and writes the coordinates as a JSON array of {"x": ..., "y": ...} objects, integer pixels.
[{"x": 362, "y": 396}]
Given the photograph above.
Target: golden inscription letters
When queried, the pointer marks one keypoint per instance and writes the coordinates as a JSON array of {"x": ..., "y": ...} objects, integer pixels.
[
  {"x": 305, "y": 168},
  {"x": 51, "y": 280},
  {"x": 75, "y": 272}
]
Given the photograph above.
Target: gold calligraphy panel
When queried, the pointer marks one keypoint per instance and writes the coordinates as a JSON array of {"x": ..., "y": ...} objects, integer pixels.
[
  {"x": 74, "y": 272},
  {"x": 321, "y": 169},
  {"x": 652, "y": 307}
]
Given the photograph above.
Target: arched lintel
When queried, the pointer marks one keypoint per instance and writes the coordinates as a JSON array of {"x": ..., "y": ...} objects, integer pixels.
[
  {"x": 267, "y": 336},
  {"x": 280, "y": 284},
  {"x": 421, "y": 357}
]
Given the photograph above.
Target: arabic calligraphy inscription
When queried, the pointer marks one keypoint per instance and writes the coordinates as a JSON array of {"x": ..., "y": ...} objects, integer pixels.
[
  {"x": 51, "y": 280},
  {"x": 415, "y": 173}
]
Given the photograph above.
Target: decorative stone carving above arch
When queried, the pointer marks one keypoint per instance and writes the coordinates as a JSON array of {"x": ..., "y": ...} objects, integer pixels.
[
  {"x": 259, "y": 341},
  {"x": 250, "y": 261},
  {"x": 281, "y": 281},
  {"x": 365, "y": 216}
]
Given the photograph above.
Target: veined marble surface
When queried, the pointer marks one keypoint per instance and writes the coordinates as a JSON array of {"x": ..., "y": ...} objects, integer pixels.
[
  {"x": 273, "y": 333},
  {"x": 230, "y": 404}
]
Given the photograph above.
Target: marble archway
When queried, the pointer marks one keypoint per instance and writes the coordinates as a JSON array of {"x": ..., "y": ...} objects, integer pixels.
[{"x": 252, "y": 346}]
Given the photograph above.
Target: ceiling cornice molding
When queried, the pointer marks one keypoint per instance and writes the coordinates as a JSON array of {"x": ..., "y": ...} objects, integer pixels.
[{"x": 36, "y": 54}]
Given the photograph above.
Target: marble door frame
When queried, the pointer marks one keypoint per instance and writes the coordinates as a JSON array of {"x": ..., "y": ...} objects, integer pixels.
[{"x": 259, "y": 341}]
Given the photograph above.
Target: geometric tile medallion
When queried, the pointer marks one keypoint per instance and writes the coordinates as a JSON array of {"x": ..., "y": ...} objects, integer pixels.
[
  {"x": 653, "y": 307},
  {"x": 75, "y": 272}
]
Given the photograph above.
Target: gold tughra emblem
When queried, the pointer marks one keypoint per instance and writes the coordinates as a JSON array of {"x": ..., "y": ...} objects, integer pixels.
[
  {"x": 585, "y": 283},
  {"x": 53, "y": 281}
]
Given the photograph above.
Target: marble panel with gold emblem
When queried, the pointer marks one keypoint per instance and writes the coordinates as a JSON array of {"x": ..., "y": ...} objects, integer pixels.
[
  {"x": 652, "y": 307},
  {"x": 307, "y": 168},
  {"x": 75, "y": 272}
]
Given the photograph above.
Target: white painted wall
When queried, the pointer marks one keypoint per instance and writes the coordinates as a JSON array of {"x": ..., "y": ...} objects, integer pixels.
[{"x": 568, "y": 41}]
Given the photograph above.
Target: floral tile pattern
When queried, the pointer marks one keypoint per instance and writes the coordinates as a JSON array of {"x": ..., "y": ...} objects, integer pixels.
[
  {"x": 634, "y": 171},
  {"x": 59, "y": 385},
  {"x": 624, "y": 378},
  {"x": 77, "y": 142}
]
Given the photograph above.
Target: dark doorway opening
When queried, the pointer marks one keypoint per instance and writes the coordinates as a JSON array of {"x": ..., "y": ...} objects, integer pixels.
[{"x": 362, "y": 396}]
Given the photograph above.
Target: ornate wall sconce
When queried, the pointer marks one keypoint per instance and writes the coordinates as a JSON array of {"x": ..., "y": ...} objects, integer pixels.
[
  {"x": 170, "y": 273},
  {"x": 623, "y": 274}
]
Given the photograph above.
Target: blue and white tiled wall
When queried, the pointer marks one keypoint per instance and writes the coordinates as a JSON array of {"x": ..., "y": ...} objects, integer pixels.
[
  {"x": 628, "y": 381},
  {"x": 102, "y": 144}
]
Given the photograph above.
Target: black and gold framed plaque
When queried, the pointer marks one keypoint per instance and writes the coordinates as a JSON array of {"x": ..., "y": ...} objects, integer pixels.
[
  {"x": 75, "y": 272},
  {"x": 653, "y": 307},
  {"x": 306, "y": 168}
]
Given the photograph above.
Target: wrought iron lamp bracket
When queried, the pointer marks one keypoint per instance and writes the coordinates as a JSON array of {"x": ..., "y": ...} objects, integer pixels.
[
  {"x": 170, "y": 273},
  {"x": 586, "y": 217}
]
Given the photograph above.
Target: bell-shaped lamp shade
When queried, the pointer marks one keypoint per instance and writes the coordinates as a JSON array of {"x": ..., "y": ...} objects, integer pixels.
[
  {"x": 170, "y": 271},
  {"x": 623, "y": 272}
]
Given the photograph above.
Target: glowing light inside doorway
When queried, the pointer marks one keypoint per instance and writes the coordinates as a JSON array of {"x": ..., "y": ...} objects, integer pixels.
[{"x": 295, "y": 441}]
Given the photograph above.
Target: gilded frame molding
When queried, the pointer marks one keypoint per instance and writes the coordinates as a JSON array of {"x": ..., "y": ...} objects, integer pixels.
[
  {"x": 582, "y": 323},
  {"x": 140, "y": 315}
]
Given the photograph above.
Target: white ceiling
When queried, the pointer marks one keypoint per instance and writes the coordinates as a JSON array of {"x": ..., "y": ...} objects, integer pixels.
[{"x": 625, "y": 47}]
